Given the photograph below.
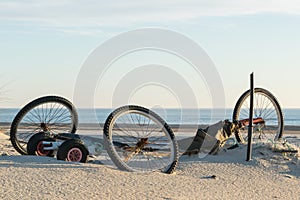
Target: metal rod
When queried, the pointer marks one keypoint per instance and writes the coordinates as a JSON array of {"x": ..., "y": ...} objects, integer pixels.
[{"x": 250, "y": 127}]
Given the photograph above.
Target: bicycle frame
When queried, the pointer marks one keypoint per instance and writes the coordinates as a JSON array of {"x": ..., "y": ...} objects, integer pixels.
[{"x": 245, "y": 122}]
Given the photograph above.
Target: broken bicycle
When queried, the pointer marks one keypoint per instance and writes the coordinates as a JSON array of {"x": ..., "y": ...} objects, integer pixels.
[{"x": 135, "y": 138}]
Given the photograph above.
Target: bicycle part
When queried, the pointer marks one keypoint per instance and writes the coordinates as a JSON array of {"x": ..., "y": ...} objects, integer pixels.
[
  {"x": 267, "y": 108},
  {"x": 51, "y": 114},
  {"x": 245, "y": 122},
  {"x": 137, "y": 139}
]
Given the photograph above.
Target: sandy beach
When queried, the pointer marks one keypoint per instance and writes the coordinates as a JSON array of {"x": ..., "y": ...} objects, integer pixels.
[{"x": 269, "y": 175}]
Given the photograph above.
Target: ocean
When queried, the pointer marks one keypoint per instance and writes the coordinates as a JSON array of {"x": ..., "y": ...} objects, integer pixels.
[{"x": 171, "y": 116}]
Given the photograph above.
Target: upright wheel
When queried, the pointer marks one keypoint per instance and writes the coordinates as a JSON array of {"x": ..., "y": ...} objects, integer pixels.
[
  {"x": 266, "y": 106},
  {"x": 35, "y": 145},
  {"x": 50, "y": 114},
  {"x": 139, "y": 140},
  {"x": 73, "y": 150}
]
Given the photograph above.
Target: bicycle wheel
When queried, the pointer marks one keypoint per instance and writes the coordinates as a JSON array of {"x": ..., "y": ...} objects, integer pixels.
[
  {"x": 139, "y": 140},
  {"x": 50, "y": 114},
  {"x": 266, "y": 106}
]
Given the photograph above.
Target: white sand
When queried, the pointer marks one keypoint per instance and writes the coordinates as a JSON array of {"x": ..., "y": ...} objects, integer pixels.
[{"x": 268, "y": 176}]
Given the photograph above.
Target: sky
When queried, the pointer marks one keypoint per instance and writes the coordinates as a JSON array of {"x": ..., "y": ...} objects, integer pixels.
[{"x": 44, "y": 45}]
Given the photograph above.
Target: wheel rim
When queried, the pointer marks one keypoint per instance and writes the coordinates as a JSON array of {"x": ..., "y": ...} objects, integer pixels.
[
  {"x": 40, "y": 149},
  {"x": 50, "y": 117},
  {"x": 141, "y": 142},
  {"x": 74, "y": 155},
  {"x": 266, "y": 108}
]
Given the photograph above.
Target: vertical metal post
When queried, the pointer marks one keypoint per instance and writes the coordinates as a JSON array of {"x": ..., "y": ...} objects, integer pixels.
[{"x": 250, "y": 127}]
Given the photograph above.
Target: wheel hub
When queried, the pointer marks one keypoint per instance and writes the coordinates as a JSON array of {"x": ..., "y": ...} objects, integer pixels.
[{"x": 44, "y": 127}]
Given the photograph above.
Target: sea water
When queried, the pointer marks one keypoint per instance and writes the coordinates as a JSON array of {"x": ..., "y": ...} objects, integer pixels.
[{"x": 171, "y": 116}]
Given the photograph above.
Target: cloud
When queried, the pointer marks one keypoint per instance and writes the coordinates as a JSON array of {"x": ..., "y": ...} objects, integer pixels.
[{"x": 86, "y": 16}]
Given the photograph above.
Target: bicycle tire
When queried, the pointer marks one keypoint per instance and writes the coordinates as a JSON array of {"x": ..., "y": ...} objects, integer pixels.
[
  {"x": 122, "y": 137},
  {"x": 35, "y": 147},
  {"x": 268, "y": 108},
  {"x": 52, "y": 114}
]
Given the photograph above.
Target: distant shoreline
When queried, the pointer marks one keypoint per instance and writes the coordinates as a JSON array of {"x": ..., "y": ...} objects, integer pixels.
[
  {"x": 171, "y": 116},
  {"x": 175, "y": 127}
]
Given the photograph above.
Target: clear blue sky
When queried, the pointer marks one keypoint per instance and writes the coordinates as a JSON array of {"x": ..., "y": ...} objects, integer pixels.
[{"x": 45, "y": 43}]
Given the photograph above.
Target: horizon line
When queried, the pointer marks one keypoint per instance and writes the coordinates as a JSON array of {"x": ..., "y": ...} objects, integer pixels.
[{"x": 151, "y": 108}]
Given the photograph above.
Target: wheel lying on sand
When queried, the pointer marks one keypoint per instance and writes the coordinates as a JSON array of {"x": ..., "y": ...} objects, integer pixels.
[
  {"x": 73, "y": 150},
  {"x": 266, "y": 106},
  {"x": 35, "y": 145},
  {"x": 46, "y": 114},
  {"x": 139, "y": 140}
]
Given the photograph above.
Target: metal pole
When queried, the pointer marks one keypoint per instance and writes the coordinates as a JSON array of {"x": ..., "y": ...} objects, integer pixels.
[{"x": 250, "y": 127}]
